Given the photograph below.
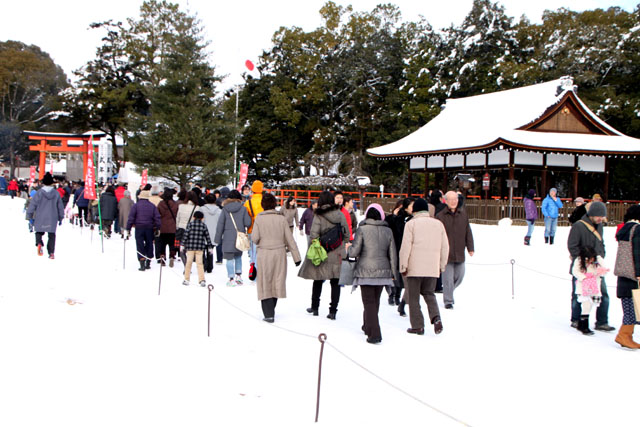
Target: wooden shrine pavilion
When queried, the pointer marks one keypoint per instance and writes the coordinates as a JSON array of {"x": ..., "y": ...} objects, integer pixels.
[
  {"x": 64, "y": 143},
  {"x": 541, "y": 129}
]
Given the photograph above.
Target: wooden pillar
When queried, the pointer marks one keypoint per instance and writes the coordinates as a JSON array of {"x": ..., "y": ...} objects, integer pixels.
[
  {"x": 544, "y": 183},
  {"x": 575, "y": 184},
  {"x": 409, "y": 180},
  {"x": 42, "y": 164},
  {"x": 426, "y": 181},
  {"x": 606, "y": 179},
  {"x": 85, "y": 145}
]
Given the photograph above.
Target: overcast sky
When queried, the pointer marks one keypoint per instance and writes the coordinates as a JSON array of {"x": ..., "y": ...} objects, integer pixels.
[{"x": 238, "y": 30}]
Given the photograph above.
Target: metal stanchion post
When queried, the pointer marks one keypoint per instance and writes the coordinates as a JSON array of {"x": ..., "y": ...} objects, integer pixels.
[
  {"x": 210, "y": 287},
  {"x": 322, "y": 338},
  {"x": 513, "y": 286},
  {"x": 160, "y": 279}
]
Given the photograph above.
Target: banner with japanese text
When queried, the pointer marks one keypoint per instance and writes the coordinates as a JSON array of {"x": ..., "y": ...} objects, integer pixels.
[
  {"x": 244, "y": 172},
  {"x": 145, "y": 177},
  {"x": 32, "y": 175},
  {"x": 90, "y": 178}
]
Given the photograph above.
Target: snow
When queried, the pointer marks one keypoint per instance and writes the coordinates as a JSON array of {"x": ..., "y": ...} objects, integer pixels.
[
  {"x": 86, "y": 342},
  {"x": 489, "y": 117}
]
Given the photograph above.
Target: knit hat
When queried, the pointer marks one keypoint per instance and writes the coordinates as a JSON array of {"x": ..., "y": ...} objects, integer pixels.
[
  {"x": 597, "y": 197},
  {"x": 579, "y": 200},
  {"x": 48, "y": 179},
  {"x": 257, "y": 187},
  {"x": 144, "y": 194},
  {"x": 376, "y": 207},
  {"x": 597, "y": 209},
  {"x": 420, "y": 205},
  {"x": 532, "y": 193}
]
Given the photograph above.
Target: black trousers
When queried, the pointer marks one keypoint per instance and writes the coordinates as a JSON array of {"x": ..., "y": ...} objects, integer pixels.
[
  {"x": 317, "y": 291},
  {"x": 371, "y": 301},
  {"x": 269, "y": 307},
  {"x": 51, "y": 241},
  {"x": 83, "y": 214},
  {"x": 166, "y": 239},
  {"x": 219, "y": 253}
]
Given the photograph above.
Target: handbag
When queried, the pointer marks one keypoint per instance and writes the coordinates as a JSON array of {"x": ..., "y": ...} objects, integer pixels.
[
  {"x": 346, "y": 272},
  {"x": 625, "y": 266},
  {"x": 242, "y": 240}
]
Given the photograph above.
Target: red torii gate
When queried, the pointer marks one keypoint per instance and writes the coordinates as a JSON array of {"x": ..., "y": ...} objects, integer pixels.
[{"x": 51, "y": 142}]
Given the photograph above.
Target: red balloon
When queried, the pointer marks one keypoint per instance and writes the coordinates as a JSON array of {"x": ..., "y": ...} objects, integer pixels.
[{"x": 249, "y": 65}]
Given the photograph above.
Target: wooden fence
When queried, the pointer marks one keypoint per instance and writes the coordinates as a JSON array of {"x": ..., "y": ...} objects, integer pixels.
[{"x": 480, "y": 211}]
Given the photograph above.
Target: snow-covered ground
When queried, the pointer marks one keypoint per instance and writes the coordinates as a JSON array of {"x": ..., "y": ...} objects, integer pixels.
[{"x": 85, "y": 342}]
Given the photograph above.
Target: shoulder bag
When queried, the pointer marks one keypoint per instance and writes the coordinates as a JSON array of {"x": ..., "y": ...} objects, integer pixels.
[
  {"x": 625, "y": 266},
  {"x": 242, "y": 240}
]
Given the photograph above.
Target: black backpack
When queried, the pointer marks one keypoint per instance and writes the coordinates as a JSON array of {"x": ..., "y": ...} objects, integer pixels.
[{"x": 332, "y": 238}]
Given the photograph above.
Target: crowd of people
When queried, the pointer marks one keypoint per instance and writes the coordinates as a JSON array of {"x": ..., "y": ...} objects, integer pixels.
[{"x": 419, "y": 247}]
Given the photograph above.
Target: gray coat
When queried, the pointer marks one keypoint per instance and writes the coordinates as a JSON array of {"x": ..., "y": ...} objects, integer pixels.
[
  {"x": 225, "y": 232},
  {"x": 211, "y": 213},
  {"x": 46, "y": 209},
  {"x": 329, "y": 269},
  {"x": 124, "y": 207},
  {"x": 375, "y": 251},
  {"x": 108, "y": 206}
]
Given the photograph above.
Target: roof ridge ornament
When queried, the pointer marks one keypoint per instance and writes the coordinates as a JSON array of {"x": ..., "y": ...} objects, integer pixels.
[{"x": 566, "y": 83}]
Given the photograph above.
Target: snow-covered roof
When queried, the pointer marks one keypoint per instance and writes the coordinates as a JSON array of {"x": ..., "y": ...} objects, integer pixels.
[{"x": 479, "y": 121}]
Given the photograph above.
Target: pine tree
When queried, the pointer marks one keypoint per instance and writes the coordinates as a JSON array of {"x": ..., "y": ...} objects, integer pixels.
[{"x": 182, "y": 136}]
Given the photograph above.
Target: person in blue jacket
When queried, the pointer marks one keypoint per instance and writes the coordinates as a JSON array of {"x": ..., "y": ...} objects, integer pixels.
[{"x": 550, "y": 208}]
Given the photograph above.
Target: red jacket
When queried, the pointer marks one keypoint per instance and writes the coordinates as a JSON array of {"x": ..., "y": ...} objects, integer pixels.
[
  {"x": 347, "y": 215},
  {"x": 120, "y": 192},
  {"x": 62, "y": 192},
  {"x": 13, "y": 185}
]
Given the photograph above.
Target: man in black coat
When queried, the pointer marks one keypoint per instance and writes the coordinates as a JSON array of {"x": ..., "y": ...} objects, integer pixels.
[{"x": 587, "y": 232}]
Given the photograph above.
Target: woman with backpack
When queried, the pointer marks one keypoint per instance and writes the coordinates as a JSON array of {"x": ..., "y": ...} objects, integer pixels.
[
  {"x": 328, "y": 222},
  {"x": 183, "y": 218},
  {"x": 234, "y": 218}
]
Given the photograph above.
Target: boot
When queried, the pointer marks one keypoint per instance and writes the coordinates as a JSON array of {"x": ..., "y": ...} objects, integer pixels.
[
  {"x": 397, "y": 296},
  {"x": 313, "y": 311},
  {"x": 546, "y": 239},
  {"x": 625, "y": 337},
  {"x": 148, "y": 264},
  {"x": 143, "y": 265},
  {"x": 583, "y": 325},
  {"x": 551, "y": 240},
  {"x": 332, "y": 315},
  {"x": 527, "y": 240},
  {"x": 401, "y": 311}
]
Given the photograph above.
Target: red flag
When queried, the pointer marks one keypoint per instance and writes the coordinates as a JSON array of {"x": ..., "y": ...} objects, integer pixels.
[
  {"x": 145, "y": 177},
  {"x": 244, "y": 171},
  {"x": 52, "y": 166},
  {"x": 249, "y": 65},
  {"x": 90, "y": 178}
]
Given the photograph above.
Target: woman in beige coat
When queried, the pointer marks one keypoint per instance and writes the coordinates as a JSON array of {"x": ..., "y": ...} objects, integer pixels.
[
  {"x": 273, "y": 237},
  {"x": 290, "y": 212},
  {"x": 423, "y": 257}
]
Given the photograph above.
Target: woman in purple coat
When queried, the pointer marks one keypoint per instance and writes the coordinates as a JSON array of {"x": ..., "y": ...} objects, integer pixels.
[{"x": 531, "y": 213}]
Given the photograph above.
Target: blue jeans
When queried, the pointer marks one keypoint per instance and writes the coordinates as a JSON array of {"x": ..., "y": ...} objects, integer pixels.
[
  {"x": 550, "y": 225},
  {"x": 234, "y": 266},
  {"x": 530, "y": 225},
  {"x": 602, "y": 313}
]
